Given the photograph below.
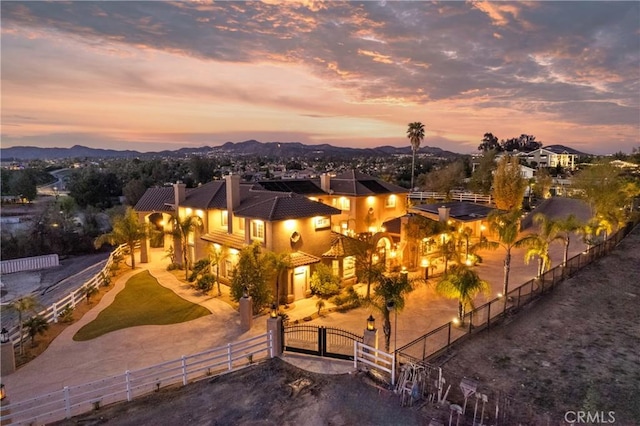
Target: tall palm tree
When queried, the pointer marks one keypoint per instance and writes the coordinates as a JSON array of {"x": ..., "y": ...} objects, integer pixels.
[
  {"x": 415, "y": 133},
  {"x": 389, "y": 295},
  {"x": 181, "y": 229},
  {"x": 464, "y": 284},
  {"x": 23, "y": 305},
  {"x": 279, "y": 262},
  {"x": 566, "y": 227},
  {"x": 538, "y": 244},
  {"x": 126, "y": 230},
  {"x": 217, "y": 256},
  {"x": 505, "y": 226},
  {"x": 367, "y": 269}
]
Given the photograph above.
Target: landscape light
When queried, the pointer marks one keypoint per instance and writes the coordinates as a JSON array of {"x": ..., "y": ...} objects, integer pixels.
[{"x": 371, "y": 323}]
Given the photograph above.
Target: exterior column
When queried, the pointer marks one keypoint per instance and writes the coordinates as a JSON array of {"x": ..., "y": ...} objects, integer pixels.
[
  {"x": 246, "y": 313},
  {"x": 274, "y": 325},
  {"x": 7, "y": 359}
]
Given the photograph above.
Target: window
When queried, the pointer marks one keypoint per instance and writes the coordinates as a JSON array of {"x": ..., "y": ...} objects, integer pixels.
[
  {"x": 349, "y": 267},
  {"x": 241, "y": 224},
  {"x": 345, "y": 203},
  {"x": 257, "y": 230},
  {"x": 228, "y": 269},
  {"x": 391, "y": 201},
  {"x": 322, "y": 223},
  {"x": 224, "y": 218}
]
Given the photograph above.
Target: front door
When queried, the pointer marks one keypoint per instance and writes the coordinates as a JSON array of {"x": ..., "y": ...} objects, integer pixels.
[{"x": 300, "y": 282}]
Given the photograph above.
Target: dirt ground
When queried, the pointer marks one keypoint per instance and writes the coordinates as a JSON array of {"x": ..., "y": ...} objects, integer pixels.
[
  {"x": 270, "y": 393},
  {"x": 576, "y": 349}
]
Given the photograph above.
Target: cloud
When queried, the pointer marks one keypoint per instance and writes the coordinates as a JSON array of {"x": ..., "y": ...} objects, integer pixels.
[{"x": 577, "y": 62}]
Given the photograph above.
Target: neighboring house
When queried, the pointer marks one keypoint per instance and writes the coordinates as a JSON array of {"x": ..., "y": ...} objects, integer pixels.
[
  {"x": 458, "y": 215},
  {"x": 296, "y": 216},
  {"x": 552, "y": 156}
]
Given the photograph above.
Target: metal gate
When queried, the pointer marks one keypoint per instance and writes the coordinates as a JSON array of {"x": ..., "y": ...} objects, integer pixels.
[{"x": 320, "y": 341}]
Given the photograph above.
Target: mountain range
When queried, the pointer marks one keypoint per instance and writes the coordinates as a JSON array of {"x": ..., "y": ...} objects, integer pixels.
[{"x": 250, "y": 147}]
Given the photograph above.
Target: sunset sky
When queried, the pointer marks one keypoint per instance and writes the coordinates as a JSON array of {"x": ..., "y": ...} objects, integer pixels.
[{"x": 163, "y": 75}]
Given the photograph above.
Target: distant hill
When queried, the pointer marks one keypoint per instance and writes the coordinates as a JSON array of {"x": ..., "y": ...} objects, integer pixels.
[{"x": 251, "y": 147}]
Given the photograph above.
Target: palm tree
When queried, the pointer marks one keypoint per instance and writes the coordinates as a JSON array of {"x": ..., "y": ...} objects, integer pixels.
[
  {"x": 462, "y": 283},
  {"x": 506, "y": 226},
  {"x": 22, "y": 305},
  {"x": 181, "y": 229},
  {"x": 415, "y": 133},
  {"x": 566, "y": 227},
  {"x": 389, "y": 295},
  {"x": 593, "y": 229},
  {"x": 218, "y": 254},
  {"x": 538, "y": 244},
  {"x": 278, "y": 262},
  {"x": 367, "y": 268},
  {"x": 126, "y": 230},
  {"x": 36, "y": 325}
]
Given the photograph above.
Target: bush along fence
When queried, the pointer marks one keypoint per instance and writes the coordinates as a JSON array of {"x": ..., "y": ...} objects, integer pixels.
[
  {"x": 74, "y": 400},
  {"x": 53, "y": 312}
]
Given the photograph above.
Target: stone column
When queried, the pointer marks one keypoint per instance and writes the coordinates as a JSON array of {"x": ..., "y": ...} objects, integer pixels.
[
  {"x": 246, "y": 313},
  {"x": 371, "y": 338},
  {"x": 274, "y": 325}
]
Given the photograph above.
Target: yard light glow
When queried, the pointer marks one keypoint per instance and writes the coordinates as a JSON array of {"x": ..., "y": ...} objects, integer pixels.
[
  {"x": 289, "y": 224},
  {"x": 456, "y": 321},
  {"x": 371, "y": 323},
  {"x": 188, "y": 211},
  {"x": 499, "y": 295}
]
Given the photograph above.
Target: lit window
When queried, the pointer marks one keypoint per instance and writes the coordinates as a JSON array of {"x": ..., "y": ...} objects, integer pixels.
[
  {"x": 344, "y": 203},
  {"x": 349, "y": 267},
  {"x": 224, "y": 218},
  {"x": 241, "y": 224},
  {"x": 257, "y": 230},
  {"x": 322, "y": 222},
  {"x": 391, "y": 201}
]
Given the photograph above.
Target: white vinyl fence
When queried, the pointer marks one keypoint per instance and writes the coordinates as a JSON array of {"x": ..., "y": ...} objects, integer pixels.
[
  {"x": 74, "y": 400},
  {"x": 375, "y": 358},
  {"x": 453, "y": 196},
  {"x": 29, "y": 263},
  {"x": 51, "y": 313}
]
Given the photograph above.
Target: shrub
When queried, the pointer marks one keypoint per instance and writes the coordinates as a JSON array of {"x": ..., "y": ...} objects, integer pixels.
[
  {"x": 205, "y": 283},
  {"x": 323, "y": 283},
  {"x": 66, "y": 314},
  {"x": 348, "y": 299}
]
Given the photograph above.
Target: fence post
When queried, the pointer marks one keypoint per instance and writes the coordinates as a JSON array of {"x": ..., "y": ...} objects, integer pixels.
[
  {"x": 54, "y": 308},
  {"x": 73, "y": 299},
  {"x": 488, "y": 315},
  {"x": 184, "y": 371},
  {"x": 67, "y": 403},
  {"x": 355, "y": 354},
  {"x": 229, "y": 361},
  {"x": 393, "y": 369},
  {"x": 519, "y": 293},
  {"x": 470, "y": 321},
  {"x": 127, "y": 380},
  {"x": 449, "y": 336}
]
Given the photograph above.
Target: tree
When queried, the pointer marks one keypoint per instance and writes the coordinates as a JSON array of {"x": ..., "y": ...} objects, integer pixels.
[
  {"x": 23, "y": 184},
  {"x": 508, "y": 184},
  {"x": 323, "y": 282},
  {"x": 36, "y": 325},
  {"x": 250, "y": 275},
  {"x": 538, "y": 244},
  {"x": 278, "y": 263},
  {"x": 446, "y": 179},
  {"x": 489, "y": 143},
  {"x": 218, "y": 254},
  {"x": 133, "y": 191},
  {"x": 126, "y": 230},
  {"x": 482, "y": 176},
  {"x": 506, "y": 226},
  {"x": 415, "y": 133},
  {"x": 181, "y": 229},
  {"x": 464, "y": 284},
  {"x": 566, "y": 227},
  {"x": 389, "y": 295},
  {"x": 368, "y": 268},
  {"x": 543, "y": 183},
  {"x": 23, "y": 305}
]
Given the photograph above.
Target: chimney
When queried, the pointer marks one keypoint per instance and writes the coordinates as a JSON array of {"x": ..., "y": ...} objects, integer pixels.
[
  {"x": 325, "y": 182},
  {"x": 233, "y": 198},
  {"x": 443, "y": 213},
  {"x": 179, "y": 193}
]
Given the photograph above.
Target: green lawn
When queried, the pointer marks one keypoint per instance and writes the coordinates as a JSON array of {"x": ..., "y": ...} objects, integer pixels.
[{"x": 143, "y": 301}]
